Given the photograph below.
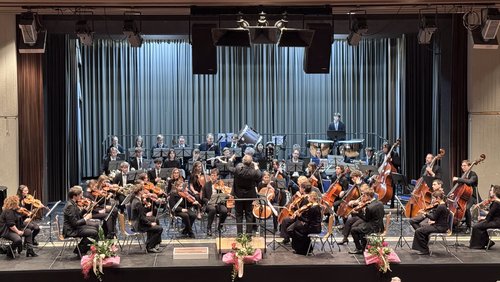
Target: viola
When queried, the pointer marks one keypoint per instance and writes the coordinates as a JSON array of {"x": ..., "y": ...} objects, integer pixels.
[
  {"x": 421, "y": 195},
  {"x": 185, "y": 194},
  {"x": 30, "y": 200},
  {"x": 23, "y": 211},
  {"x": 84, "y": 203}
]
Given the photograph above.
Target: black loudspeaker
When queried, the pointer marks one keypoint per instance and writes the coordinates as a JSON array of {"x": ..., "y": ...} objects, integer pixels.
[
  {"x": 317, "y": 56},
  {"x": 3, "y": 195},
  {"x": 204, "y": 52}
]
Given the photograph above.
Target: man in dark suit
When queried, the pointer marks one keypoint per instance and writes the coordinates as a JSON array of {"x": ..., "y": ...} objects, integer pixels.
[
  {"x": 144, "y": 223},
  {"x": 159, "y": 144},
  {"x": 138, "y": 161},
  {"x": 154, "y": 175},
  {"x": 234, "y": 142},
  {"x": 113, "y": 156},
  {"x": 115, "y": 144},
  {"x": 121, "y": 177},
  {"x": 395, "y": 159},
  {"x": 337, "y": 124},
  {"x": 209, "y": 145},
  {"x": 246, "y": 176},
  {"x": 426, "y": 170},
  {"x": 369, "y": 158},
  {"x": 372, "y": 221},
  {"x": 75, "y": 223},
  {"x": 471, "y": 180},
  {"x": 215, "y": 201}
]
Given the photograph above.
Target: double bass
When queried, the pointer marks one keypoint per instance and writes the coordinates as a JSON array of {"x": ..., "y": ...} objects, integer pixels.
[
  {"x": 383, "y": 181},
  {"x": 460, "y": 194},
  {"x": 421, "y": 196}
]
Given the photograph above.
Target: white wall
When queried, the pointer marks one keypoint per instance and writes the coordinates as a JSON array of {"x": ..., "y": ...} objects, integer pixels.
[
  {"x": 484, "y": 114},
  {"x": 9, "y": 148}
]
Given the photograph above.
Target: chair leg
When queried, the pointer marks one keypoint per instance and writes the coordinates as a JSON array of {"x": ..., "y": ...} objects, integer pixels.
[{"x": 310, "y": 248}]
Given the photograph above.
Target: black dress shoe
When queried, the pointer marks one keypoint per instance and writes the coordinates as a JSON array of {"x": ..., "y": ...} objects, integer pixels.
[
  {"x": 35, "y": 242},
  {"x": 209, "y": 233},
  {"x": 356, "y": 252},
  {"x": 285, "y": 241},
  {"x": 30, "y": 253},
  {"x": 344, "y": 241},
  {"x": 491, "y": 244},
  {"x": 191, "y": 235},
  {"x": 423, "y": 253}
]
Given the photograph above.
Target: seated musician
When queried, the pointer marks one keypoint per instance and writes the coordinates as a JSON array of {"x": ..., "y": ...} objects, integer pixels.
[
  {"x": 155, "y": 174},
  {"x": 372, "y": 220},
  {"x": 369, "y": 158},
  {"x": 23, "y": 192},
  {"x": 270, "y": 193},
  {"x": 176, "y": 176},
  {"x": 181, "y": 144},
  {"x": 104, "y": 208},
  {"x": 422, "y": 220},
  {"x": 159, "y": 144},
  {"x": 116, "y": 144},
  {"x": 209, "y": 145},
  {"x": 121, "y": 177},
  {"x": 138, "y": 161},
  {"x": 280, "y": 181},
  {"x": 354, "y": 219},
  {"x": 76, "y": 221},
  {"x": 171, "y": 160},
  {"x": 215, "y": 199},
  {"x": 300, "y": 197},
  {"x": 181, "y": 207},
  {"x": 438, "y": 223},
  {"x": 143, "y": 221},
  {"x": 344, "y": 183},
  {"x": 479, "y": 237},
  {"x": 306, "y": 220},
  {"x": 113, "y": 156},
  {"x": 315, "y": 176},
  {"x": 226, "y": 161},
  {"x": 234, "y": 142},
  {"x": 197, "y": 181},
  {"x": 11, "y": 229}
]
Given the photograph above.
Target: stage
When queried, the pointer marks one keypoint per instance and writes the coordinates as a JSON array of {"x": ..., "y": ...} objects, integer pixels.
[{"x": 277, "y": 265}]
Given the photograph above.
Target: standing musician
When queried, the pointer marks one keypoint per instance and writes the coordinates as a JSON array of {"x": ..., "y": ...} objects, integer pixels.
[
  {"x": 215, "y": 199},
  {"x": 438, "y": 223},
  {"x": 471, "y": 180},
  {"x": 155, "y": 174},
  {"x": 76, "y": 221},
  {"x": 372, "y": 221},
  {"x": 426, "y": 170},
  {"x": 354, "y": 219},
  {"x": 306, "y": 220},
  {"x": 301, "y": 200},
  {"x": 10, "y": 227},
  {"x": 143, "y": 221},
  {"x": 395, "y": 159},
  {"x": 209, "y": 145},
  {"x": 183, "y": 205},
  {"x": 26, "y": 201},
  {"x": 479, "y": 238},
  {"x": 246, "y": 176},
  {"x": 337, "y": 124},
  {"x": 422, "y": 220}
]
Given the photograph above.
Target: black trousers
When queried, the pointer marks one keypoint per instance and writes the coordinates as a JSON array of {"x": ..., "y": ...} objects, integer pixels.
[
  {"x": 17, "y": 240},
  {"x": 244, "y": 208},
  {"x": 349, "y": 224},
  {"x": 108, "y": 226},
  {"x": 212, "y": 210},
  {"x": 284, "y": 226},
  {"x": 419, "y": 221},
  {"x": 153, "y": 236},
  {"x": 421, "y": 237},
  {"x": 188, "y": 219},
  {"x": 35, "y": 229},
  {"x": 468, "y": 216},
  {"x": 479, "y": 237},
  {"x": 86, "y": 231}
]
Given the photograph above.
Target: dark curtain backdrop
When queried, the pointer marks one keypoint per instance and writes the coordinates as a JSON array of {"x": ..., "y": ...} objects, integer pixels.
[
  {"x": 419, "y": 99},
  {"x": 31, "y": 122}
]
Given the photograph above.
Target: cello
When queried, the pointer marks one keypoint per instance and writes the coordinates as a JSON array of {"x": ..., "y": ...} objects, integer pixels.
[
  {"x": 333, "y": 192},
  {"x": 383, "y": 181},
  {"x": 421, "y": 195},
  {"x": 460, "y": 194},
  {"x": 352, "y": 194}
]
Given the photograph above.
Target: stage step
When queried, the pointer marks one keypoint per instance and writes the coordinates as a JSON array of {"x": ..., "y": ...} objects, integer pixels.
[{"x": 191, "y": 253}]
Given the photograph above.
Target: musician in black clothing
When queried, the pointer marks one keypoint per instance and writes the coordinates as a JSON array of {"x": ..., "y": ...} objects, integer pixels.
[
  {"x": 426, "y": 170},
  {"x": 159, "y": 144},
  {"x": 301, "y": 198},
  {"x": 103, "y": 207},
  {"x": 171, "y": 160},
  {"x": 76, "y": 221},
  {"x": 344, "y": 183},
  {"x": 181, "y": 207},
  {"x": 471, "y": 180},
  {"x": 372, "y": 221},
  {"x": 113, "y": 156},
  {"x": 210, "y": 145},
  {"x": 370, "y": 158},
  {"x": 10, "y": 227},
  {"x": 144, "y": 222},
  {"x": 138, "y": 161},
  {"x": 23, "y": 192},
  {"x": 479, "y": 238},
  {"x": 354, "y": 219},
  {"x": 246, "y": 176},
  {"x": 395, "y": 159},
  {"x": 422, "y": 220},
  {"x": 154, "y": 175},
  {"x": 438, "y": 223},
  {"x": 215, "y": 199},
  {"x": 307, "y": 220}
]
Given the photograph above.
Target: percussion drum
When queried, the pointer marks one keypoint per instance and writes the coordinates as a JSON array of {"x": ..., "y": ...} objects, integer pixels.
[
  {"x": 249, "y": 136},
  {"x": 324, "y": 145},
  {"x": 351, "y": 148}
]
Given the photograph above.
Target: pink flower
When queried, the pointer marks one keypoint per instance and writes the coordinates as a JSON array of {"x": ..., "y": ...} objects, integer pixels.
[
  {"x": 385, "y": 244},
  {"x": 368, "y": 247},
  {"x": 233, "y": 246},
  {"x": 92, "y": 248},
  {"x": 114, "y": 249}
]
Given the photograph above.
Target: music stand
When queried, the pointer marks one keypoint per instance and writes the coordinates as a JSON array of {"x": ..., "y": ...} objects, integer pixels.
[
  {"x": 205, "y": 155},
  {"x": 370, "y": 168},
  {"x": 224, "y": 167},
  {"x": 237, "y": 152},
  {"x": 336, "y": 135},
  {"x": 294, "y": 167},
  {"x": 400, "y": 180},
  {"x": 185, "y": 152},
  {"x": 131, "y": 153},
  {"x": 160, "y": 152},
  {"x": 49, "y": 214},
  {"x": 147, "y": 164},
  {"x": 132, "y": 175}
]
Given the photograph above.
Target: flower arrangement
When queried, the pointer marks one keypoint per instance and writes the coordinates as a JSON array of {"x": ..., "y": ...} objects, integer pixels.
[
  {"x": 244, "y": 253},
  {"x": 378, "y": 251},
  {"x": 102, "y": 254}
]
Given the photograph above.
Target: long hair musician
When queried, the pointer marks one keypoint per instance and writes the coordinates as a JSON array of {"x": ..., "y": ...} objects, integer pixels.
[{"x": 479, "y": 238}]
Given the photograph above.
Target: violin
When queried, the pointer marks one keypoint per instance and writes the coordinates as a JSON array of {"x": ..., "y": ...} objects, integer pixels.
[
  {"x": 30, "y": 200},
  {"x": 23, "y": 211},
  {"x": 151, "y": 188},
  {"x": 84, "y": 203},
  {"x": 185, "y": 194},
  {"x": 361, "y": 206}
]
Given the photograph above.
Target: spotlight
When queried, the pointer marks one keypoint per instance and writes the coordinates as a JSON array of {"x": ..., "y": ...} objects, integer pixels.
[
  {"x": 426, "y": 29},
  {"x": 358, "y": 27},
  {"x": 239, "y": 36},
  {"x": 293, "y": 37},
  {"x": 84, "y": 32},
  {"x": 27, "y": 24},
  {"x": 491, "y": 22},
  {"x": 132, "y": 32}
]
